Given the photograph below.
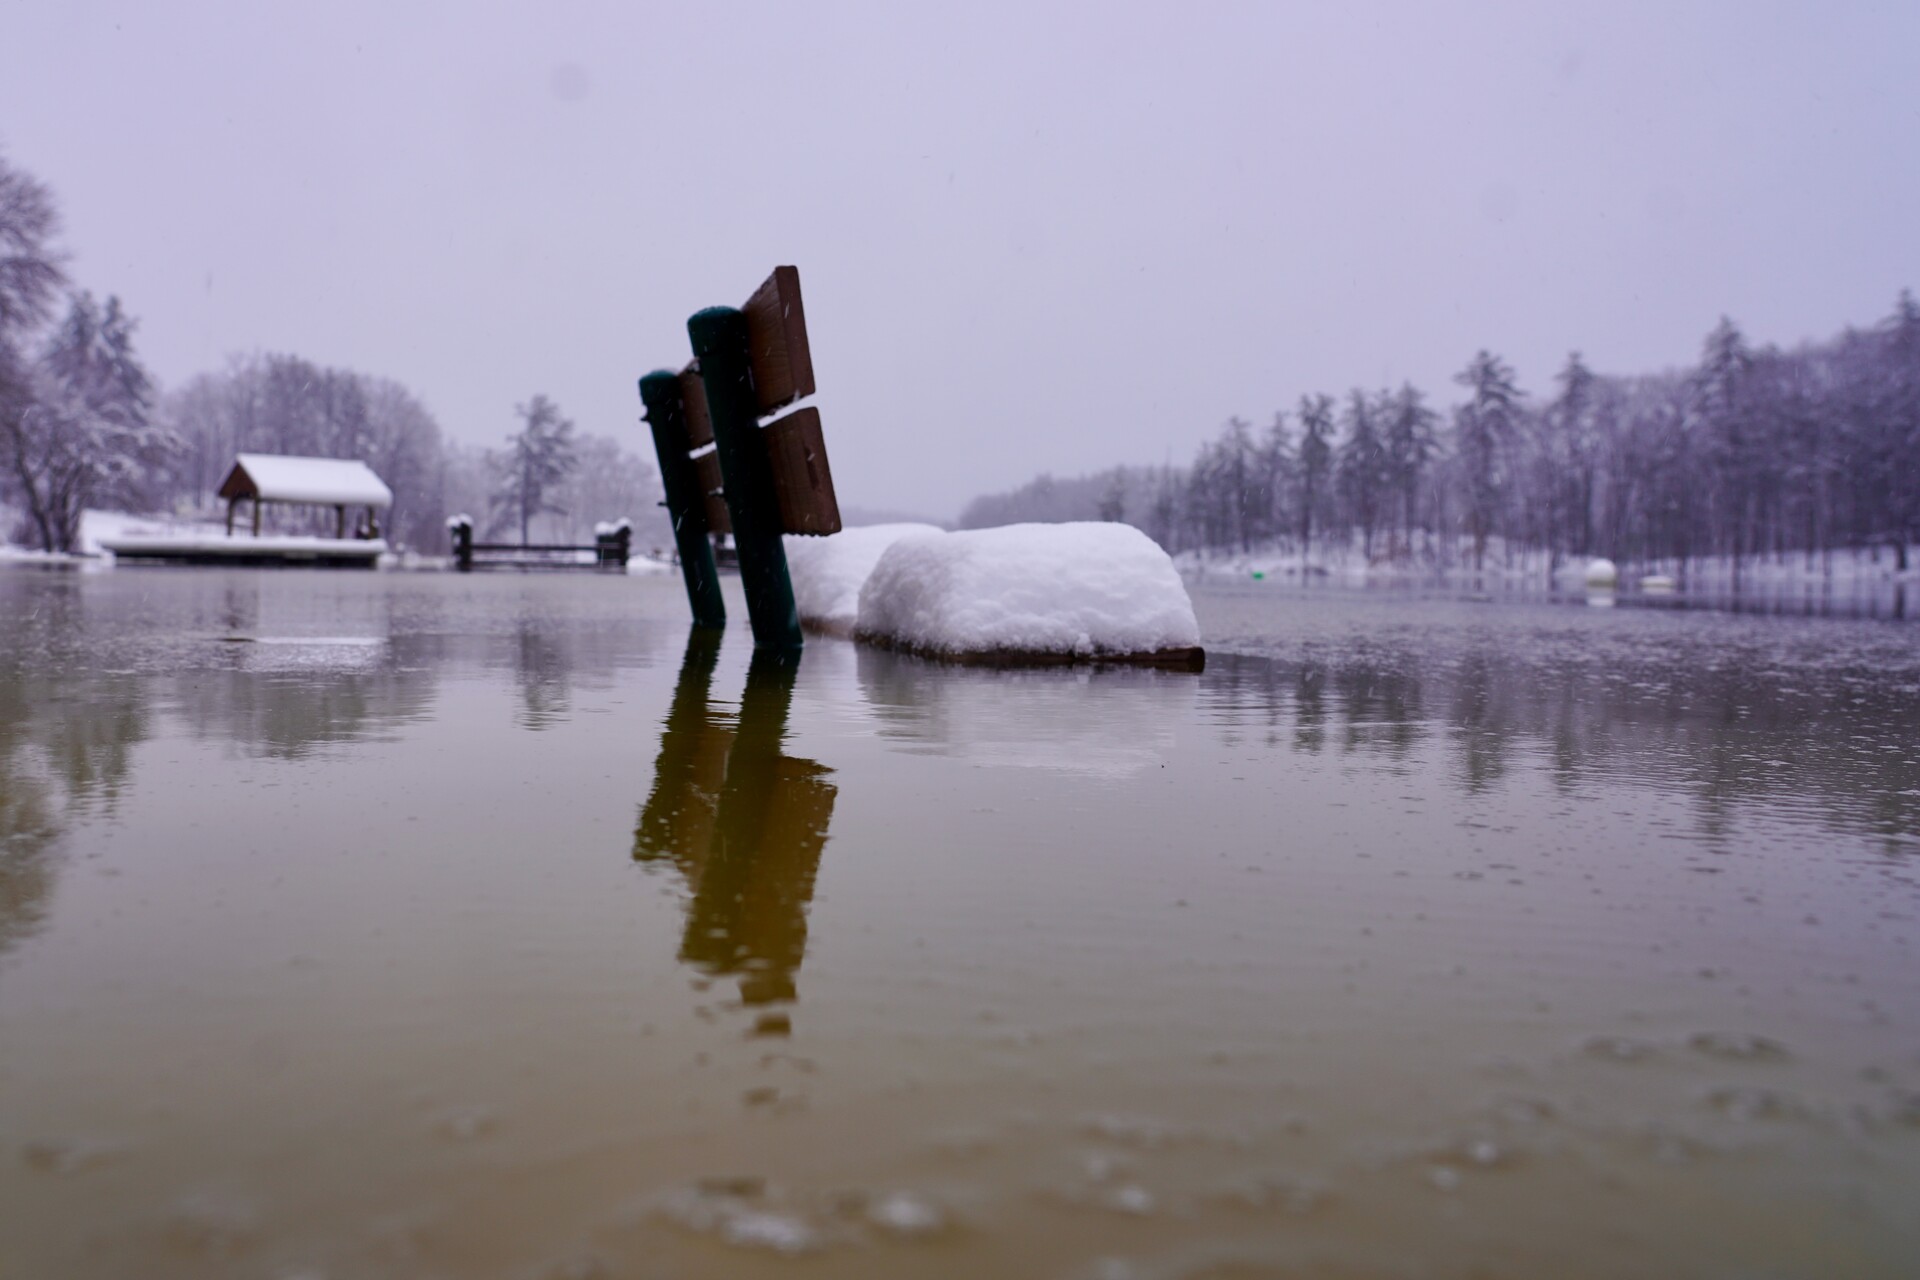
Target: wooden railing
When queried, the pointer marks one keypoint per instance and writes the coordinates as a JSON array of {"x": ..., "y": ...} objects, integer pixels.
[{"x": 611, "y": 549}]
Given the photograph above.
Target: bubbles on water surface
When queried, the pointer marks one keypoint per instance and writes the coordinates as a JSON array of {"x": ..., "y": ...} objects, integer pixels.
[
  {"x": 1618, "y": 1049},
  {"x": 779, "y": 1232},
  {"x": 901, "y": 1213},
  {"x": 577, "y": 1266},
  {"x": 1747, "y": 1103},
  {"x": 213, "y": 1224},
  {"x": 1286, "y": 1191},
  {"x": 1737, "y": 1047},
  {"x": 753, "y": 1213},
  {"x": 66, "y": 1156},
  {"x": 464, "y": 1124},
  {"x": 742, "y": 1211}
]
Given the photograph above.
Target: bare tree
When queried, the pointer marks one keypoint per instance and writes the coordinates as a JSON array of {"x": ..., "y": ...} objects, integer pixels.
[{"x": 609, "y": 482}]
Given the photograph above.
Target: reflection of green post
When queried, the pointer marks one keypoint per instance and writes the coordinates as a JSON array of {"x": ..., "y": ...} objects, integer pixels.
[
  {"x": 677, "y": 819},
  {"x": 749, "y": 910},
  {"x": 720, "y": 345},
  {"x": 667, "y": 415}
]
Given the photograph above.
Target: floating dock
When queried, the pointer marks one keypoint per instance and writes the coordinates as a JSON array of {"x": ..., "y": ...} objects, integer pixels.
[{"x": 269, "y": 551}]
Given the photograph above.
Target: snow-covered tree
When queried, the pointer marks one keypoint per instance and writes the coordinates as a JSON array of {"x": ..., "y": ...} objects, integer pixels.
[
  {"x": 30, "y": 274},
  {"x": 1723, "y": 419},
  {"x": 1896, "y": 416},
  {"x": 1362, "y": 473},
  {"x": 1411, "y": 446},
  {"x": 86, "y": 436},
  {"x": 1752, "y": 451},
  {"x": 1113, "y": 499},
  {"x": 1313, "y": 464},
  {"x": 528, "y": 473},
  {"x": 1275, "y": 462},
  {"x": 1567, "y": 459},
  {"x": 1485, "y": 429},
  {"x": 30, "y": 280}
]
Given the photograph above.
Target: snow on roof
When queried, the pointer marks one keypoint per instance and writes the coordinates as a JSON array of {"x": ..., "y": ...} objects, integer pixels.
[
  {"x": 332, "y": 481},
  {"x": 1085, "y": 590}
]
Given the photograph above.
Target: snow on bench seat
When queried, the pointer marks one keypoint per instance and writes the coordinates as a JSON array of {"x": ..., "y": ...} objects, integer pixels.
[
  {"x": 1031, "y": 593},
  {"x": 828, "y": 572}
]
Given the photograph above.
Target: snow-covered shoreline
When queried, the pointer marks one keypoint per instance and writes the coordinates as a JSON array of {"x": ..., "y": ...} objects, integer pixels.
[{"x": 1838, "y": 570}]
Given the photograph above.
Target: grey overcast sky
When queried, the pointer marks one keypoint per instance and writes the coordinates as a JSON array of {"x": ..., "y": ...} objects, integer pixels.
[{"x": 1033, "y": 237}]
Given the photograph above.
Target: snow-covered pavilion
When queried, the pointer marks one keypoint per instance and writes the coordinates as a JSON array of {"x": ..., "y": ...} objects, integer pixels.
[{"x": 324, "y": 482}]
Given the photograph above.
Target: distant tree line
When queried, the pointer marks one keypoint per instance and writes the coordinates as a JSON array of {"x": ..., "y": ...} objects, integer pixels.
[
  {"x": 82, "y": 424},
  {"x": 285, "y": 404},
  {"x": 1752, "y": 452}
]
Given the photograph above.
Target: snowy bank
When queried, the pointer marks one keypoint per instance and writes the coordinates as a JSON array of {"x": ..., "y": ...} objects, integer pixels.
[
  {"x": 1031, "y": 593},
  {"x": 269, "y": 548},
  {"x": 829, "y": 572}
]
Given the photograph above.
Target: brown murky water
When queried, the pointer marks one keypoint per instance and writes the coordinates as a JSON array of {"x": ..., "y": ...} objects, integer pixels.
[{"x": 391, "y": 925}]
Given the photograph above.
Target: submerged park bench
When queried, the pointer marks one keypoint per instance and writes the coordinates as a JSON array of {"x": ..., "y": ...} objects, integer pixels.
[
  {"x": 1023, "y": 595},
  {"x": 725, "y": 473}
]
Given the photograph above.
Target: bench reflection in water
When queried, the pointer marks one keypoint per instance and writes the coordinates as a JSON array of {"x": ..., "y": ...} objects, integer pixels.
[{"x": 741, "y": 821}]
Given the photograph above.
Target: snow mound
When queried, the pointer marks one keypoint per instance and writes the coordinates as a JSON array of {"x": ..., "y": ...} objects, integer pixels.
[
  {"x": 1602, "y": 572},
  {"x": 100, "y": 527},
  {"x": 828, "y": 572},
  {"x": 1030, "y": 592}
]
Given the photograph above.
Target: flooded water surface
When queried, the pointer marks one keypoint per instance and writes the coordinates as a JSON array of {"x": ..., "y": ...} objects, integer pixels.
[{"x": 416, "y": 925}]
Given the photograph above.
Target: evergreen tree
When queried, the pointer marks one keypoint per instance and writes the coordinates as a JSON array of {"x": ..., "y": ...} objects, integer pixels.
[
  {"x": 1720, "y": 416},
  {"x": 1568, "y": 454},
  {"x": 1898, "y": 410},
  {"x": 1165, "y": 516},
  {"x": 30, "y": 280},
  {"x": 1315, "y": 461},
  {"x": 537, "y": 459},
  {"x": 1275, "y": 462},
  {"x": 1362, "y": 468},
  {"x": 1235, "y": 476},
  {"x": 1113, "y": 500},
  {"x": 1411, "y": 446},
  {"x": 87, "y": 438},
  {"x": 1485, "y": 429}
]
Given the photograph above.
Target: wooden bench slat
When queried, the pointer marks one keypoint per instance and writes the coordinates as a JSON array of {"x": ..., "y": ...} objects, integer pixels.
[
  {"x": 707, "y": 468},
  {"x": 802, "y": 481},
  {"x": 693, "y": 398},
  {"x": 777, "y": 347}
]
